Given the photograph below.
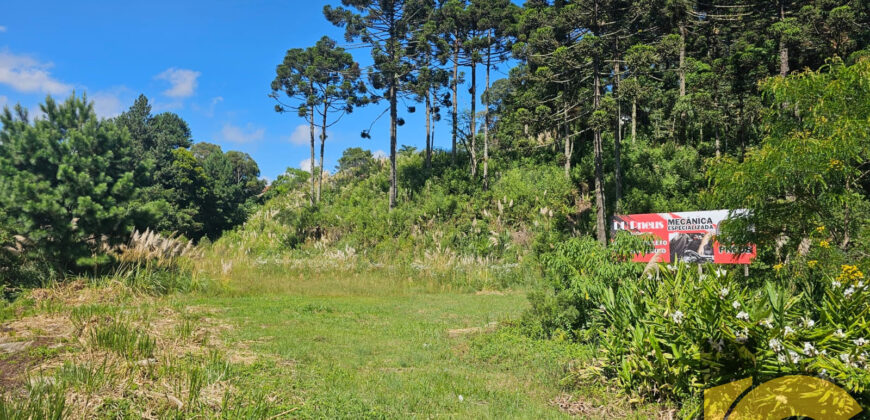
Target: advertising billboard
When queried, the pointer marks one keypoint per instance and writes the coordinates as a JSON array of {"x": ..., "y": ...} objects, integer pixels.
[{"x": 686, "y": 236}]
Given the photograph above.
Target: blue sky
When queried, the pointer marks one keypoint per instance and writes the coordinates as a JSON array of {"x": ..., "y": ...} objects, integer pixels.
[{"x": 210, "y": 62}]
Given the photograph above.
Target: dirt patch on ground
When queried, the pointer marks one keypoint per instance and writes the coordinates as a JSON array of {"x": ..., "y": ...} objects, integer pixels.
[
  {"x": 489, "y": 292},
  {"x": 42, "y": 325},
  {"x": 18, "y": 357},
  {"x": 617, "y": 408},
  {"x": 458, "y": 332}
]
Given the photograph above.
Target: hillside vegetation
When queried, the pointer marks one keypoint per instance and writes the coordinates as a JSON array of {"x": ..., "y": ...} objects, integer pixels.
[{"x": 145, "y": 275}]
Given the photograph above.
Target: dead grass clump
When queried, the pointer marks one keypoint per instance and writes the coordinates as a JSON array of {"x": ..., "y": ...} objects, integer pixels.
[
  {"x": 613, "y": 407},
  {"x": 146, "y": 359}
]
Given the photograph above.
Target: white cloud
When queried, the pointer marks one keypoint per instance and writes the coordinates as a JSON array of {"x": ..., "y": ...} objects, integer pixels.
[
  {"x": 3, "y": 101},
  {"x": 182, "y": 82},
  {"x": 301, "y": 135},
  {"x": 238, "y": 134},
  {"x": 305, "y": 165},
  {"x": 107, "y": 104},
  {"x": 29, "y": 75},
  {"x": 2, "y": 28},
  {"x": 35, "y": 113},
  {"x": 214, "y": 102}
]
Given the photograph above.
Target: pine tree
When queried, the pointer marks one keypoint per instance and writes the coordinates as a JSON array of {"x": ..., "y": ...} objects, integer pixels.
[{"x": 68, "y": 181}]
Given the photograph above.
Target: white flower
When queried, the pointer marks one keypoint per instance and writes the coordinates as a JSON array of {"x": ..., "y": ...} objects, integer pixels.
[
  {"x": 835, "y": 284},
  {"x": 860, "y": 342},
  {"x": 461, "y": 399},
  {"x": 823, "y": 374},
  {"x": 809, "y": 323},
  {"x": 840, "y": 333},
  {"x": 810, "y": 349},
  {"x": 742, "y": 336},
  {"x": 846, "y": 358},
  {"x": 788, "y": 330},
  {"x": 736, "y": 305},
  {"x": 781, "y": 358},
  {"x": 823, "y": 353},
  {"x": 723, "y": 293},
  {"x": 775, "y": 345},
  {"x": 702, "y": 277},
  {"x": 766, "y": 323},
  {"x": 649, "y": 276},
  {"x": 672, "y": 267},
  {"x": 720, "y": 272},
  {"x": 860, "y": 284},
  {"x": 677, "y": 317},
  {"x": 795, "y": 358},
  {"x": 743, "y": 316},
  {"x": 848, "y": 292}
]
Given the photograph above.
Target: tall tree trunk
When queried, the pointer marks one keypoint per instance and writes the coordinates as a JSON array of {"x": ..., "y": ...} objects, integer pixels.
[
  {"x": 428, "y": 131},
  {"x": 682, "y": 59},
  {"x": 322, "y": 143},
  {"x": 633, "y": 120},
  {"x": 311, "y": 165},
  {"x": 473, "y": 117},
  {"x": 599, "y": 175},
  {"x": 486, "y": 113},
  {"x": 455, "y": 96},
  {"x": 617, "y": 143},
  {"x": 718, "y": 145},
  {"x": 568, "y": 149},
  {"x": 393, "y": 117},
  {"x": 783, "y": 48}
]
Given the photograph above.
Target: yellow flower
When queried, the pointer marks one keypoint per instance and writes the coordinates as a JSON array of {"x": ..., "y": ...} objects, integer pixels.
[
  {"x": 824, "y": 244},
  {"x": 836, "y": 164},
  {"x": 812, "y": 263},
  {"x": 778, "y": 267},
  {"x": 820, "y": 229},
  {"x": 850, "y": 274}
]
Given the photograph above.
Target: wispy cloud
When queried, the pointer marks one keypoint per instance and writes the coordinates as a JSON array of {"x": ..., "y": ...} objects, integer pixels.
[
  {"x": 236, "y": 134},
  {"x": 26, "y": 74},
  {"x": 108, "y": 103},
  {"x": 182, "y": 82},
  {"x": 214, "y": 102},
  {"x": 2, "y": 28},
  {"x": 305, "y": 165},
  {"x": 302, "y": 135},
  {"x": 3, "y": 101}
]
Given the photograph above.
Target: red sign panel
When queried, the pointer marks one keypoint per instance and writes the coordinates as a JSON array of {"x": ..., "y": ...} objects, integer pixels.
[{"x": 688, "y": 237}]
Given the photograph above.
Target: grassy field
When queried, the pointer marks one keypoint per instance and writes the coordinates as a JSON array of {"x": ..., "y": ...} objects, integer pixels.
[{"x": 276, "y": 343}]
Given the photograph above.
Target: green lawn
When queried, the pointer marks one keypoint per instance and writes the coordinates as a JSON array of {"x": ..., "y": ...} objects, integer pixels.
[
  {"x": 407, "y": 354},
  {"x": 276, "y": 343}
]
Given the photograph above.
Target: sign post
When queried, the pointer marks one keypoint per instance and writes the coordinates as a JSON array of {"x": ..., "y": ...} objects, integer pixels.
[{"x": 686, "y": 236}]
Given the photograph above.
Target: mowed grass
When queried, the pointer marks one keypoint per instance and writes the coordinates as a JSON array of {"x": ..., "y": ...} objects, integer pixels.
[{"x": 370, "y": 345}]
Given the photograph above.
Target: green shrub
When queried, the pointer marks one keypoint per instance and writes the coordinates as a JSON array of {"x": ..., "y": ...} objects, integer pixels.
[
  {"x": 578, "y": 272},
  {"x": 674, "y": 334}
]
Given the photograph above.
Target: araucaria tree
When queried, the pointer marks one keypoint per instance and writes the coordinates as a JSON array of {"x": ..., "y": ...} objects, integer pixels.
[
  {"x": 325, "y": 83},
  {"x": 387, "y": 27}
]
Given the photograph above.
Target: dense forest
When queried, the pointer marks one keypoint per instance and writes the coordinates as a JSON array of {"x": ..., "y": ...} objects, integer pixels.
[{"x": 560, "y": 114}]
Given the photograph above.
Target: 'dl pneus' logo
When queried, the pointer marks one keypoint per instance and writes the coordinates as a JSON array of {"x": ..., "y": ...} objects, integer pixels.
[{"x": 788, "y": 396}]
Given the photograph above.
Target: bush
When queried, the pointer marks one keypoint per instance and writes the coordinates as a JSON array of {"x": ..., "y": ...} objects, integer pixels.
[
  {"x": 578, "y": 272},
  {"x": 675, "y": 333}
]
